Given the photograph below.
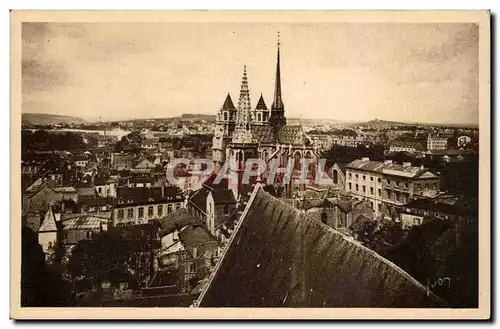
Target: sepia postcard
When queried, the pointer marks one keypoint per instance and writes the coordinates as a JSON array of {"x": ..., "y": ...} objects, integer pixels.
[{"x": 250, "y": 165}]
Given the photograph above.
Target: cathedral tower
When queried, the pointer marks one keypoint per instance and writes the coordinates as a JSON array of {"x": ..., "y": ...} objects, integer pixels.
[{"x": 224, "y": 128}]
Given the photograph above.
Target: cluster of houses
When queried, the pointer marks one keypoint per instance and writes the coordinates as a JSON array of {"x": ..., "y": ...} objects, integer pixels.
[{"x": 68, "y": 198}]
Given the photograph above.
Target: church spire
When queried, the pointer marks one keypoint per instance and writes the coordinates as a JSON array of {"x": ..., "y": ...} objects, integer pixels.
[
  {"x": 278, "y": 102},
  {"x": 277, "y": 118},
  {"x": 243, "y": 114}
]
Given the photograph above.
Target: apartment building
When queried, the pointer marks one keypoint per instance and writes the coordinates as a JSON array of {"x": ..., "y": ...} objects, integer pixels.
[
  {"x": 139, "y": 205},
  {"x": 436, "y": 142},
  {"x": 386, "y": 184}
]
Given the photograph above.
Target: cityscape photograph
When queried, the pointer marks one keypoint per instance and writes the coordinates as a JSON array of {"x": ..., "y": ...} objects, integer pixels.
[{"x": 259, "y": 164}]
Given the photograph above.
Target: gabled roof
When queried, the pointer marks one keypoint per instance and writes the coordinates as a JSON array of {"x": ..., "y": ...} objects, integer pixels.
[
  {"x": 213, "y": 184},
  {"x": 49, "y": 222},
  {"x": 292, "y": 135},
  {"x": 144, "y": 164},
  {"x": 223, "y": 197},
  {"x": 177, "y": 219},
  {"x": 263, "y": 134},
  {"x": 84, "y": 222},
  {"x": 279, "y": 257},
  {"x": 195, "y": 235},
  {"x": 199, "y": 199},
  {"x": 365, "y": 165}
]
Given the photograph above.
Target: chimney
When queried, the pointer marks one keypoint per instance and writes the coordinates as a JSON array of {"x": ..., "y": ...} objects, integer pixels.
[
  {"x": 365, "y": 159},
  {"x": 388, "y": 162},
  {"x": 406, "y": 164}
]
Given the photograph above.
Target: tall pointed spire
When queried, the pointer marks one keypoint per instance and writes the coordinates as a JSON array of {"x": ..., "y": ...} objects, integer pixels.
[
  {"x": 243, "y": 114},
  {"x": 278, "y": 102},
  {"x": 277, "y": 118}
]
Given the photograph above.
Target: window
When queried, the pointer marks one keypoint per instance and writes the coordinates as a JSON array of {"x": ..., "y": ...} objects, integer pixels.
[
  {"x": 335, "y": 177},
  {"x": 160, "y": 210},
  {"x": 364, "y": 189},
  {"x": 416, "y": 221},
  {"x": 379, "y": 192},
  {"x": 379, "y": 206},
  {"x": 371, "y": 190},
  {"x": 178, "y": 206},
  {"x": 259, "y": 116},
  {"x": 141, "y": 212},
  {"x": 120, "y": 213},
  {"x": 150, "y": 211},
  {"x": 357, "y": 187},
  {"x": 350, "y": 186},
  {"x": 226, "y": 210},
  {"x": 130, "y": 213},
  {"x": 89, "y": 234},
  {"x": 169, "y": 209},
  {"x": 225, "y": 116},
  {"x": 350, "y": 175},
  {"x": 364, "y": 177},
  {"x": 356, "y": 175},
  {"x": 65, "y": 236},
  {"x": 371, "y": 205},
  {"x": 379, "y": 180},
  {"x": 388, "y": 182},
  {"x": 406, "y": 185},
  {"x": 371, "y": 178}
]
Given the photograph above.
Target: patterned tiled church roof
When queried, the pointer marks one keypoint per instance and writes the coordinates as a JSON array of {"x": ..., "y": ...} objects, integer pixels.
[{"x": 279, "y": 257}]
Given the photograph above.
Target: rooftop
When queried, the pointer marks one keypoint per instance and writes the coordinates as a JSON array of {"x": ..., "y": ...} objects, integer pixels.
[{"x": 279, "y": 257}]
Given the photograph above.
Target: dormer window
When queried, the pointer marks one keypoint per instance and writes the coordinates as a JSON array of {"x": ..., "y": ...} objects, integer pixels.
[{"x": 225, "y": 116}]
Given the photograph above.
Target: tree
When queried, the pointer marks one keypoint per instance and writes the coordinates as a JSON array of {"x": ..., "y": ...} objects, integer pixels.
[
  {"x": 41, "y": 284},
  {"x": 32, "y": 269},
  {"x": 101, "y": 258},
  {"x": 379, "y": 235}
]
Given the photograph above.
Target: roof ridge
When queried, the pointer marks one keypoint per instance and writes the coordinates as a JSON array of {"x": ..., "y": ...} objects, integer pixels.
[
  {"x": 213, "y": 274},
  {"x": 329, "y": 230}
]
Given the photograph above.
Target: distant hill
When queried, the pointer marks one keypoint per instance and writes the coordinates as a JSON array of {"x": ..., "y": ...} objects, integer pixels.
[
  {"x": 49, "y": 119},
  {"x": 378, "y": 122},
  {"x": 206, "y": 117}
]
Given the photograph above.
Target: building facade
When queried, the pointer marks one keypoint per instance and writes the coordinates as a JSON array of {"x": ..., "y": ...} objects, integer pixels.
[
  {"x": 386, "y": 184},
  {"x": 436, "y": 142},
  {"x": 139, "y": 205}
]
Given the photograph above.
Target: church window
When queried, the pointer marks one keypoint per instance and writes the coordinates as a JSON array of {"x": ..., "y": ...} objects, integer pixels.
[{"x": 296, "y": 165}]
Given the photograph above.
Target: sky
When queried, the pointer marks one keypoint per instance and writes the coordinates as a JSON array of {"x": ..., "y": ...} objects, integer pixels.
[{"x": 409, "y": 72}]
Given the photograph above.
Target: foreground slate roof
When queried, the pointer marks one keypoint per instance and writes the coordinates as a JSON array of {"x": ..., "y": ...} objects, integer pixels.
[{"x": 279, "y": 257}]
